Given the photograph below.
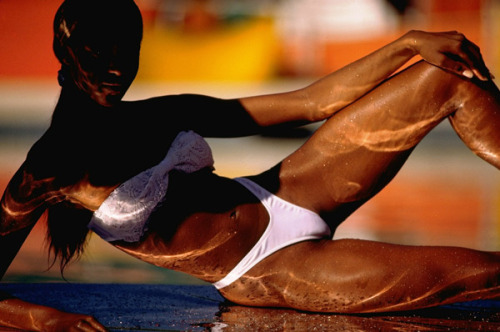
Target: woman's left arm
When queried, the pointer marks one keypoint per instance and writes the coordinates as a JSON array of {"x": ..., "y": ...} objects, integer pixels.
[
  {"x": 450, "y": 51},
  {"x": 215, "y": 117}
]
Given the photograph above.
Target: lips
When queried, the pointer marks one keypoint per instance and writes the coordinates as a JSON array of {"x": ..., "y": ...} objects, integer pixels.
[{"x": 112, "y": 87}]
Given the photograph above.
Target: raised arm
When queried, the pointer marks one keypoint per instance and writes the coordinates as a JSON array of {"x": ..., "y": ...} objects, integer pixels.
[
  {"x": 249, "y": 115},
  {"x": 320, "y": 100}
]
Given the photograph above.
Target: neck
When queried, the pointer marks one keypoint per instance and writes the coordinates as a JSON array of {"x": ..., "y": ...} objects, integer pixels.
[
  {"x": 70, "y": 91},
  {"x": 72, "y": 98},
  {"x": 72, "y": 94},
  {"x": 75, "y": 106}
]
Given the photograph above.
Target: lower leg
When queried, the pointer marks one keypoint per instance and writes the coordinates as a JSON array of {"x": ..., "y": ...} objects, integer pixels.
[{"x": 477, "y": 120}]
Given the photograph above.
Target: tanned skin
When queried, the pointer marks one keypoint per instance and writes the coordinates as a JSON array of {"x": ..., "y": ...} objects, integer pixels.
[{"x": 374, "y": 118}]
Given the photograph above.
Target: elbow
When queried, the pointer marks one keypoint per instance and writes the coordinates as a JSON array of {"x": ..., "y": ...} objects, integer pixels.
[
  {"x": 5, "y": 228},
  {"x": 6, "y": 220},
  {"x": 9, "y": 227},
  {"x": 8, "y": 224}
]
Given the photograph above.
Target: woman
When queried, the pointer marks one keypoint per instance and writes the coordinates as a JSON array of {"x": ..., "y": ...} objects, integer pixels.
[{"x": 139, "y": 175}]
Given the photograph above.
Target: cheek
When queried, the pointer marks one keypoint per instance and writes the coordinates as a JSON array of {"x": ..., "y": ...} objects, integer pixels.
[
  {"x": 91, "y": 68},
  {"x": 82, "y": 72},
  {"x": 90, "y": 74},
  {"x": 86, "y": 79}
]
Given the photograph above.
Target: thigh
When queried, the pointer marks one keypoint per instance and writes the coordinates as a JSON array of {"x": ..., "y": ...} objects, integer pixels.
[
  {"x": 359, "y": 150},
  {"x": 367, "y": 276}
]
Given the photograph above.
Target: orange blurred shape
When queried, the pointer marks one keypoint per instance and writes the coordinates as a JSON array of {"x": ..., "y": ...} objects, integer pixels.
[{"x": 26, "y": 39}]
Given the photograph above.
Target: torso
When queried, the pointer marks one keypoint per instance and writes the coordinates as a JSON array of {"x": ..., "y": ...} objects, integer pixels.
[{"x": 206, "y": 226}]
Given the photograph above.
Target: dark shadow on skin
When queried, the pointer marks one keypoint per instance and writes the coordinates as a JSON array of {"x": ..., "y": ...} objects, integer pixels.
[
  {"x": 203, "y": 192},
  {"x": 287, "y": 132},
  {"x": 111, "y": 145}
]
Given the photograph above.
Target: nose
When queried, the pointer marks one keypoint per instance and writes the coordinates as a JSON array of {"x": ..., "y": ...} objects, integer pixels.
[
  {"x": 122, "y": 63},
  {"x": 115, "y": 65},
  {"x": 114, "y": 71}
]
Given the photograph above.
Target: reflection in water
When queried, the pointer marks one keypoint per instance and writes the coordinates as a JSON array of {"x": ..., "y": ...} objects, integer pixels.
[
  {"x": 136, "y": 307},
  {"x": 237, "y": 318}
]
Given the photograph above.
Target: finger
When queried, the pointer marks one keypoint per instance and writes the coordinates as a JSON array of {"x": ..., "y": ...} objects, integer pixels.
[
  {"x": 461, "y": 56},
  {"x": 453, "y": 34},
  {"x": 471, "y": 54},
  {"x": 96, "y": 326},
  {"x": 89, "y": 325},
  {"x": 454, "y": 64},
  {"x": 466, "y": 63}
]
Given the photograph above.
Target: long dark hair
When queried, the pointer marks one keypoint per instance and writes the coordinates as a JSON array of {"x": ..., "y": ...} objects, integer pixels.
[
  {"x": 76, "y": 22},
  {"x": 67, "y": 233}
]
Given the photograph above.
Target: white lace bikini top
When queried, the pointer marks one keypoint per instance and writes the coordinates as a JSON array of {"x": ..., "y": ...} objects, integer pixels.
[{"x": 125, "y": 213}]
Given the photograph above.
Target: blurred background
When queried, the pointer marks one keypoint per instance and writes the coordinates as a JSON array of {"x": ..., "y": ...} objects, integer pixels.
[{"x": 444, "y": 195}]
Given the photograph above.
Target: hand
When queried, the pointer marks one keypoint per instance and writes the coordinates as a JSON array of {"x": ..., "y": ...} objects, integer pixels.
[
  {"x": 451, "y": 51},
  {"x": 24, "y": 315},
  {"x": 62, "y": 321}
]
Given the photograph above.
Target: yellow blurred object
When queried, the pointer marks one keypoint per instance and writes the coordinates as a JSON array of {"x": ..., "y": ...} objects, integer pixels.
[
  {"x": 242, "y": 51},
  {"x": 492, "y": 28}
]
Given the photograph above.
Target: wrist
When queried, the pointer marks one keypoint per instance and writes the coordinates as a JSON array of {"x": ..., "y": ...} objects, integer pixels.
[
  {"x": 44, "y": 318},
  {"x": 410, "y": 42}
]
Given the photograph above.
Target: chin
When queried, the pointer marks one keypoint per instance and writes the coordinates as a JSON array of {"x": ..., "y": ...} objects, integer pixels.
[{"x": 108, "y": 100}]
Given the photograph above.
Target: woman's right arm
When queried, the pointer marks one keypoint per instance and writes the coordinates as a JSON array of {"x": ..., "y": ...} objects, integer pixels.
[
  {"x": 27, "y": 316},
  {"x": 22, "y": 204},
  {"x": 19, "y": 211}
]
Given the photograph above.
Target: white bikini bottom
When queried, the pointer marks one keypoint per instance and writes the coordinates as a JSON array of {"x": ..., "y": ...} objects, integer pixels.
[{"x": 288, "y": 224}]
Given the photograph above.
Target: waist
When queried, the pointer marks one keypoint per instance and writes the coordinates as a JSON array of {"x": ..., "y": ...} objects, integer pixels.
[{"x": 205, "y": 227}]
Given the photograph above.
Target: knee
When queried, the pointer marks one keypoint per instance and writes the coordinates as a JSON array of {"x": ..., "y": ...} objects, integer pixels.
[
  {"x": 423, "y": 68},
  {"x": 435, "y": 78}
]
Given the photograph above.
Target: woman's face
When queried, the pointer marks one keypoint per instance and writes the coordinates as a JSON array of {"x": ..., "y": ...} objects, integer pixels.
[{"x": 104, "y": 68}]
